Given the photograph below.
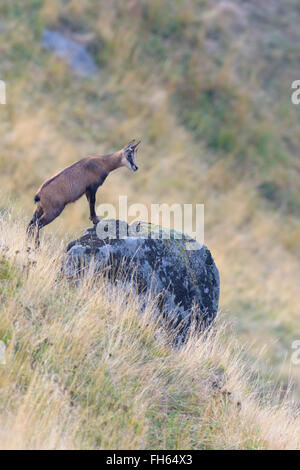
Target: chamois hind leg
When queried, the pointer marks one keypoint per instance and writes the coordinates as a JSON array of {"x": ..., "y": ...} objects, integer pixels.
[
  {"x": 91, "y": 197},
  {"x": 46, "y": 217},
  {"x": 33, "y": 224}
]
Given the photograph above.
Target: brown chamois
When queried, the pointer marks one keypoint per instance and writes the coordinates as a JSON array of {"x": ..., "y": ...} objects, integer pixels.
[{"x": 83, "y": 177}]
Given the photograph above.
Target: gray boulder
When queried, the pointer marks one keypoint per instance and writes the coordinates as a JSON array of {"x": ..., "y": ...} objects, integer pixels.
[
  {"x": 74, "y": 54},
  {"x": 167, "y": 262}
]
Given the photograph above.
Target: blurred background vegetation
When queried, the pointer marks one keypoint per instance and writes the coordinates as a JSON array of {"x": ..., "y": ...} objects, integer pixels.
[{"x": 206, "y": 85}]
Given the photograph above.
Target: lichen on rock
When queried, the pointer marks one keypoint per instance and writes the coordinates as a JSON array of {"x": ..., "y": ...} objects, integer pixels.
[{"x": 155, "y": 259}]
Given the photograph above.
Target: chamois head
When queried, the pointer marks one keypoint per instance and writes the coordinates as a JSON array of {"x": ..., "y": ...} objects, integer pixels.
[{"x": 129, "y": 155}]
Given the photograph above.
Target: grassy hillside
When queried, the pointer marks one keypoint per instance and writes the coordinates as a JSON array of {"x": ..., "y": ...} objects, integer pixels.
[
  {"x": 85, "y": 369},
  {"x": 206, "y": 85}
]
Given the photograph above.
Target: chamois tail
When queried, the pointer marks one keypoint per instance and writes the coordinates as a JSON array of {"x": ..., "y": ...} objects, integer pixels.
[{"x": 37, "y": 198}]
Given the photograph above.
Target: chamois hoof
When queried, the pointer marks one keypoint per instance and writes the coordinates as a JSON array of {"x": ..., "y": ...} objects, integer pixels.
[{"x": 95, "y": 220}]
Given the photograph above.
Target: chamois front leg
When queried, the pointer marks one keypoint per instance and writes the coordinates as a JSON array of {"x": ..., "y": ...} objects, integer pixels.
[{"x": 91, "y": 197}]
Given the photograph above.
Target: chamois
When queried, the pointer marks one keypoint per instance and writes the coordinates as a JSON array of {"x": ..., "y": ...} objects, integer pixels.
[{"x": 83, "y": 177}]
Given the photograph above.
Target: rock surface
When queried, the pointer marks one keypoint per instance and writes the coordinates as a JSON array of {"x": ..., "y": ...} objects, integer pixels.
[
  {"x": 186, "y": 279},
  {"x": 76, "y": 56}
]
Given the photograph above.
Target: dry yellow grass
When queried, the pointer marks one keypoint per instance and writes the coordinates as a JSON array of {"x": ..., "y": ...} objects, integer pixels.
[
  {"x": 242, "y": 132},
  {"x": 86, "y": 367}
]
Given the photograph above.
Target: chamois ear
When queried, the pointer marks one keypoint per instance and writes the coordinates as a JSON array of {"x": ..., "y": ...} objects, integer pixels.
[{"x": 129, "y": 146}]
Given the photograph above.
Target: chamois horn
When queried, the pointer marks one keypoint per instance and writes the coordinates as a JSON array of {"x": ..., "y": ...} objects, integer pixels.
[
  {"x": 130, "y": 145},
  {"x": 135, "y": 145}
]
